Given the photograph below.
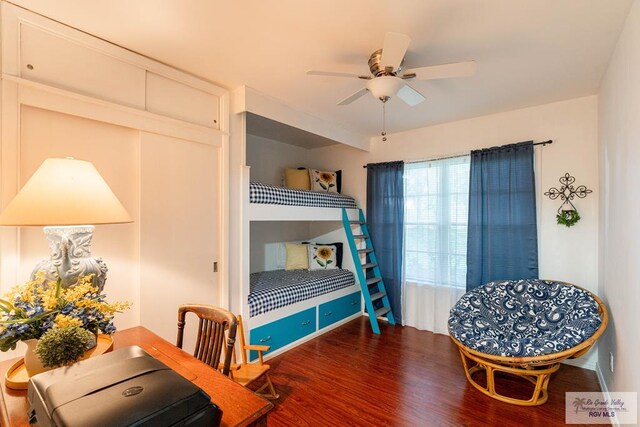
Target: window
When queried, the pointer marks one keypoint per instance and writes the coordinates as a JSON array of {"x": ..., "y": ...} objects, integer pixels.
[{"x": 436, "y": 211}]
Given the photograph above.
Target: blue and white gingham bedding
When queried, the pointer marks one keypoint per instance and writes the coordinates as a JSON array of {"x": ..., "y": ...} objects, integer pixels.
[
  {"x": 270, "y": 194},
  {"x": 270, "y": 290}
]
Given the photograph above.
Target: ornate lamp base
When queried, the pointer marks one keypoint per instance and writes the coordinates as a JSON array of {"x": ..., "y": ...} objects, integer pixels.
[{"x": 71, "y": 256}]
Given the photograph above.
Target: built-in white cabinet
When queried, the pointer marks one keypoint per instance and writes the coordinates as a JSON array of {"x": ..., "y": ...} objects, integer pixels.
[{"x": 38, "y": 49}]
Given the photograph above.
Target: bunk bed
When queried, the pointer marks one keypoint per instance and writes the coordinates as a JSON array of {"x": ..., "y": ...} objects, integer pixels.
[
  {"x": 286, "y": 308},
  {"x": 283, "y": 309}
]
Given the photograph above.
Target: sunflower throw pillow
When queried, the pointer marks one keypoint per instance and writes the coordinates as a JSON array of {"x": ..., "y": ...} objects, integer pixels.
[
  {"x": 322, "y": 257},
  {"x": 323, "y": 181}
]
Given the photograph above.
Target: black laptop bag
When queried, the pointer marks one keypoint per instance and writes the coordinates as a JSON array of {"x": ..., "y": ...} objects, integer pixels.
[{"x": 126, "y": 387}]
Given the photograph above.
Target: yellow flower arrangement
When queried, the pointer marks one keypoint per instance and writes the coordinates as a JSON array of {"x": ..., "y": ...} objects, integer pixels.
[{"x": 28, "y": 311}]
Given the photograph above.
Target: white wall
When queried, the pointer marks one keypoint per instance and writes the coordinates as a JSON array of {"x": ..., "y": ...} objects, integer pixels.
[
  {"x": 619, "y": 136},
  {"x": 269, "y": 158},
  {"x": 264, "y": 236},
  {"x": 569, "y": 254}
]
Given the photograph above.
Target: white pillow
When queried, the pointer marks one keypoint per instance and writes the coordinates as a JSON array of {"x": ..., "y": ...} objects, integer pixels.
[
  {"x": 323, "y": 181},
  {"x": 275, "y": 256},
  {"x": 322, "y": 257}
]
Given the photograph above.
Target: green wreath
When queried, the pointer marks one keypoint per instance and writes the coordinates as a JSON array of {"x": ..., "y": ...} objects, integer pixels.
[{"x": 568, "y": 217}]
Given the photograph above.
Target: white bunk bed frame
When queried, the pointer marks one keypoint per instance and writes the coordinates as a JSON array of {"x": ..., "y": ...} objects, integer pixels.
[
  {"x": 246, "y": 100},
  {"x": 270, "y": 212}
]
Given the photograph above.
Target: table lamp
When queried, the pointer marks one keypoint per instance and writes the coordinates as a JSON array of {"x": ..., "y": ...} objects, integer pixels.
[{"x": 68, "y": 197}]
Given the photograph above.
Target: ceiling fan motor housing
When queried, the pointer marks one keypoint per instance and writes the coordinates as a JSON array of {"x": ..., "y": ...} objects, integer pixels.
[{"x": 378, "y": 69}]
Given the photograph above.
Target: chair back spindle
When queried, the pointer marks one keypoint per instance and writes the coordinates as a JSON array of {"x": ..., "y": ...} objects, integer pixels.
[{"x": 216, "y": 334}]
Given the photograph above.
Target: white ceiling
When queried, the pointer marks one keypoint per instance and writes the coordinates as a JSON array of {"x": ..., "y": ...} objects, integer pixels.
[{"x": 529, "y": 52}]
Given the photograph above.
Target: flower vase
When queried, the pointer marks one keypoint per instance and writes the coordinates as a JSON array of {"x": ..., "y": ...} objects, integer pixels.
[
  {"x": 31, "y": 360},
  {"x": 94, "y": 343}
]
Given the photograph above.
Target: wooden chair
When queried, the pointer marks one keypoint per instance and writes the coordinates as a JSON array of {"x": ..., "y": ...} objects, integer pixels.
[
  {"x": 216, "y": 334},
  {"x": 246, "y": 373}
]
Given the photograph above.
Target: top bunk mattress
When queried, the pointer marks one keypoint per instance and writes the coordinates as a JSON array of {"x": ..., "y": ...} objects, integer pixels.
[
  {"x": 270, "y": 194},
  {"x": 270, "y": 290}
]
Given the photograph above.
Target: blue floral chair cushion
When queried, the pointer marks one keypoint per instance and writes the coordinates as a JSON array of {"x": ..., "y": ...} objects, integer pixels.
[{"x": 522, "y": 318}]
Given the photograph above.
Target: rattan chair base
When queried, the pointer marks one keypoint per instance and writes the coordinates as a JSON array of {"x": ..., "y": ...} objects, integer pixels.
[{"x": 537, "y": 375}]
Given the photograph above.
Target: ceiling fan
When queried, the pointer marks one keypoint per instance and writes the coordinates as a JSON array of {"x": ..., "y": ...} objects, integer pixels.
[{"x": 387, "y": 78}]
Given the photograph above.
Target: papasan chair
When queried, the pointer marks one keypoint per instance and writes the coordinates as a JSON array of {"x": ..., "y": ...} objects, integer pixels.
[{"x": 524, "y": 328}]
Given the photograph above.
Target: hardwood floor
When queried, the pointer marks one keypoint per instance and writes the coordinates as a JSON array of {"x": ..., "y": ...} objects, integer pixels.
[{"x": 403, "y": 377}]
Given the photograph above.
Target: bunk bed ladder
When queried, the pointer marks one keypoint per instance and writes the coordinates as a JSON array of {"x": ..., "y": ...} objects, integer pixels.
[{"x": 373, "y": 290}]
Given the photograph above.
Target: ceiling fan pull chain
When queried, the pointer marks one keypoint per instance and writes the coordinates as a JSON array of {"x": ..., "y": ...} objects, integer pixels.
[{"x": 384, "y": 120}]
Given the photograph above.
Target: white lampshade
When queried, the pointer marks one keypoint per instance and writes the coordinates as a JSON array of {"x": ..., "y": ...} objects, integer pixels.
[
  {"x": 385, "y": 86},
  {"x": 65, "y": 192}
]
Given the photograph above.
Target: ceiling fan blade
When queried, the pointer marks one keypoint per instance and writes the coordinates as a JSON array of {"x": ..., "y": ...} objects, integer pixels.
[
  {"x": 336, "y": 74},
  {"x": 444, "y": 71},
  {"x": 410, "y": 96},
  {"x": 395, "y": 46},
  {"x": 351, "y": 98}
]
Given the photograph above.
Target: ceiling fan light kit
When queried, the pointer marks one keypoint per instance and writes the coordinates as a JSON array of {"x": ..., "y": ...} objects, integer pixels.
[
  {"x": 385, "y": 86},
  {"x": 386, "y": 82}
]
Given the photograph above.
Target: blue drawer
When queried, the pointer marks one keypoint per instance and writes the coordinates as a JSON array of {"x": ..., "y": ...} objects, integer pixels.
[
  {"x": 284, "y": 331},
  {"x": 338, "y": 309}
]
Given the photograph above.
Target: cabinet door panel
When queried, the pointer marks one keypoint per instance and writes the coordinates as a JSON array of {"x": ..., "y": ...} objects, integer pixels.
[
  {"x": 179, "y": 238},
  {"x": 47, "y": 58},
  {"x": 338, "y": 309},
  {"x": 282, "y": 332},
  {"x": 174, "y": 99}
]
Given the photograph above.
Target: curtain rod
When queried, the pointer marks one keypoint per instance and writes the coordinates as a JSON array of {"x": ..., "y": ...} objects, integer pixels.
[{"x": 543, "y": 143}]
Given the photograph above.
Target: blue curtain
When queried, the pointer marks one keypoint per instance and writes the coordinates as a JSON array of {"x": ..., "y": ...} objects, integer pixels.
[
  {"x": 385, "y": 219},
  {"x": 502, "y": 240}
]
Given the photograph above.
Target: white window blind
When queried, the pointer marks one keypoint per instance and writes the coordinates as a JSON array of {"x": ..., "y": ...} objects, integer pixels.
[{"x": 436, "y": 211}]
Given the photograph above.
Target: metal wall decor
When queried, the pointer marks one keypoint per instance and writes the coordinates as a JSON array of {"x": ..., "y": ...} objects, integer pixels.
[{"x": 567, "y": 213}]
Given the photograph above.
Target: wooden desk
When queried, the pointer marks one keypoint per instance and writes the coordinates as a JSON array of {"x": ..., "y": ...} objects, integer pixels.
[{"x": 240, "y": 406}]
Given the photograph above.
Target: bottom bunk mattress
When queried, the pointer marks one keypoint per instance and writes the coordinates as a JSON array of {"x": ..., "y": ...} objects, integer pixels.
[{"x": 278, "y": 288}]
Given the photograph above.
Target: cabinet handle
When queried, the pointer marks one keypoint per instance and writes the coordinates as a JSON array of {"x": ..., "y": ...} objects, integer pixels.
[
  {"x": 328, "y": 313},
  {"x": 354, "y": 302},
  {"x": 265, "y": 339},
  {"x": 306, "y": 322}
]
